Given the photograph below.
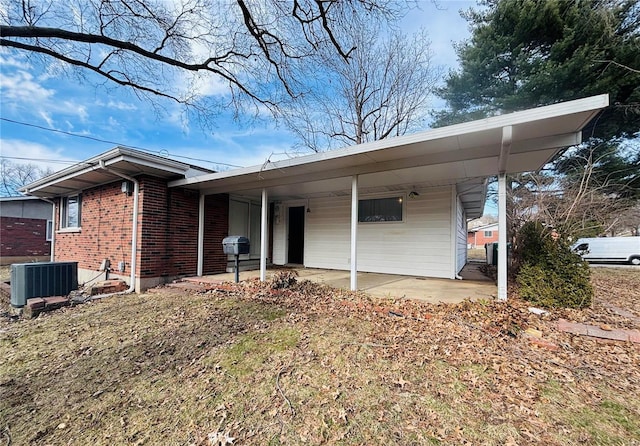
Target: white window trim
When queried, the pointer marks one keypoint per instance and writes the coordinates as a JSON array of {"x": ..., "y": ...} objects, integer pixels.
[
  {"x": 402, "y": 196},
  {"x": 49, "y": 231},
  {"x": 68, "y": 230},
  {"x": 63, "y": 218}
]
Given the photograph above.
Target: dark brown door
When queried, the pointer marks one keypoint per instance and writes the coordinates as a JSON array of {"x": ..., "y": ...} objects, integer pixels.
[{"x": 296, "y": 235}]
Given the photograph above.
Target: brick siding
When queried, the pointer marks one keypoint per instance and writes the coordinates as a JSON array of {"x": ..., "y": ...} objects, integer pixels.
[
  {"x": 23, "y": 237},
  {"x": 105, "y": 229},
  {"x": 479, "y": 240},
  {"x": 216, "y": 227},
  {"x": 167, "y": 230}
]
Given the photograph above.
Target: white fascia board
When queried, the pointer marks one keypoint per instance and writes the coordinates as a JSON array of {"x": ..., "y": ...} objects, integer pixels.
[
  {"x": 594, "y": 103},
  {"x": 483, "y": 228},
  {"x": 20, "y": 198},
  {"x": 57, "y": 178},
  {"x": 110, "y": 157},
  {"x": 172, "y": 167}
]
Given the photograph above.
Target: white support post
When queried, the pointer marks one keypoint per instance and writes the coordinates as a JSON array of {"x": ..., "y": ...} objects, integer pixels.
[
  {"x": 354, "y": 233},
  {"x": 453, "y": 228},
  {"x": 200, "y": 267},
  {"x": 263, "y": 236},
  {"x": 502, "y": 236}
]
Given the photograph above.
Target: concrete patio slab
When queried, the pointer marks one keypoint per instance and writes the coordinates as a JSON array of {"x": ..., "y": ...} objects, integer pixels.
[{"x": 386, "y": 285}]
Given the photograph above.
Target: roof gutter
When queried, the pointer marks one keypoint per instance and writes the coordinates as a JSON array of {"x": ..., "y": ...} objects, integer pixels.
[{"x": 134, "y": 234}]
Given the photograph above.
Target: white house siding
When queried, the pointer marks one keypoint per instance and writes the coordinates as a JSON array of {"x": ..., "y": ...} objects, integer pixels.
[
  {"x": 327, "y": 233},
  {"x": 461, "y": 229},
  {"x": 244, "y": 219},
  {"x": 280, "y": 228},
  {"x": 419, "y": 246},
  {"x": 279, "y": 235}
]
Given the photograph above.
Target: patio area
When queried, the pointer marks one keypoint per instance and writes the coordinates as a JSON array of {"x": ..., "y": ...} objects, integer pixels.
[{"x": 474, "y": 285}]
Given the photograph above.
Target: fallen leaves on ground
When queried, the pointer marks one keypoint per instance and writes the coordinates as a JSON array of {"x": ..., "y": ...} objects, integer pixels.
[{"x": 301, "y": 363}]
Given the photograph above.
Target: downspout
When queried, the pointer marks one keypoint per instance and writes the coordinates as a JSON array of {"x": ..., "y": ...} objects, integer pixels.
[
  {"x": 53, "y": 224},
  {"x": 134, "y": 235},
  {"x": 53, "y": 227}
]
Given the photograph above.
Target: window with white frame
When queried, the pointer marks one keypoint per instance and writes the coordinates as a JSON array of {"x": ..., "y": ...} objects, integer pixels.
[
  {"x": 488, "y": 233},
  {"x": 49, "y": 231},
  {"x": 71, "y": 211},
  {"x": 375, "y": 210}
]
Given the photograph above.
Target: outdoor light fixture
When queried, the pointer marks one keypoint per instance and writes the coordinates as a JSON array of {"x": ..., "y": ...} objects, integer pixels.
[
  {"x": 413, "y": 194},
  {"x": 126, "y": 187}
]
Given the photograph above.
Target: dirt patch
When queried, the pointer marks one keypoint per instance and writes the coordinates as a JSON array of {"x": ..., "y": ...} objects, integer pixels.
[{"x": 300, "y": 363}]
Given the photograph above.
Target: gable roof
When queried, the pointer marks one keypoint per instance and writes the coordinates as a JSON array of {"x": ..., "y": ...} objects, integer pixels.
[
  {"x": 492, "y": 226},
  {"x": 463, "y": 154},
  {"x": 90, "y": 173}
]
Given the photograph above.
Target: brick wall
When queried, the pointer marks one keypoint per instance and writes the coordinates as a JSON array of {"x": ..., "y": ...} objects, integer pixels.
[
  {"x": 167, "y": 230},
  {"x": 169, "y": 227},
  {"x": 170, "y": 230},
  {"x": 106, "y": 221},
  {"x": 216, "y": 227},
  {"x": 479, "y": 238},
  {"x": 23, "y": 237}
]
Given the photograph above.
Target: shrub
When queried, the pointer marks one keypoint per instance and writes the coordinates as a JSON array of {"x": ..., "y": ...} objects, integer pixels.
[{"x": 550, "y": 274}]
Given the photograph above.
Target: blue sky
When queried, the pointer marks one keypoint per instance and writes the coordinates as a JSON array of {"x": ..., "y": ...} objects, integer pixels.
[{"x": 40, "y": 96}]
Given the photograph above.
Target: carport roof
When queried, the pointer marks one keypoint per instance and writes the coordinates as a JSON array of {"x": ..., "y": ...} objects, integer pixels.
[{"x": 463, "y": 154}]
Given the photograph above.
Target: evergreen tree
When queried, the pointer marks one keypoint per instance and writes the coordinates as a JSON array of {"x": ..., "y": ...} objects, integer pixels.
[{"x": 528, "y": 53}]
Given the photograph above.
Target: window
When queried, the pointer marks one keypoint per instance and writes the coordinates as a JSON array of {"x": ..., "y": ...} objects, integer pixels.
[
  {"x": 71, "y": 207},
  {"x": 488, "y": 233},
  {"x": 49, "y": 230},
  {"x": 380, "y": 209}
]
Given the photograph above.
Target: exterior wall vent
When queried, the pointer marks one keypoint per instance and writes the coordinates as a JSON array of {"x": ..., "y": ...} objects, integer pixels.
[{"x": 42, "y": 280}]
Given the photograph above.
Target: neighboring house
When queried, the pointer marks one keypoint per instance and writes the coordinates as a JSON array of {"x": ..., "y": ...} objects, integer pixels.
[
  {"x": 25, "y": 230},
  {"x": 479, "y": 236},
  {"x": 397, "y": 206}
]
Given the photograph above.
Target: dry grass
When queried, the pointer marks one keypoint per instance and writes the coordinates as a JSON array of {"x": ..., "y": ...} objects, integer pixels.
[
  {"x": 477, "y": 254},
  {"x": 312, "y": 365}
]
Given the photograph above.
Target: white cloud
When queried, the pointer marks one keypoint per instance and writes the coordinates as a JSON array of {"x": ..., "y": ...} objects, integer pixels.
[
  {"x": 9, "y": 60},
  {"x": 43, "y": 156},
  {"x": 44, "y": 115},
  {"x": 117, "y": 105},
  {"x": 204, "y": 84},
  {"x": 177, "y": 117},
  {"x": 21, "y": 87},
  {"x": 22, "y": 92}
]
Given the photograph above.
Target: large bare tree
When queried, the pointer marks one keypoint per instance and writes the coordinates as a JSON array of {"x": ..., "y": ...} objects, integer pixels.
[
  {"x": 381, "y": 90},
  {"x": 187, "y": 50}
]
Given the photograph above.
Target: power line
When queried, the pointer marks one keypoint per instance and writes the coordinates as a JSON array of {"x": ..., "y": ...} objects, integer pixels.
[
  {"x": 157, "y": 152},
  {"x": 38, "y": 159}
]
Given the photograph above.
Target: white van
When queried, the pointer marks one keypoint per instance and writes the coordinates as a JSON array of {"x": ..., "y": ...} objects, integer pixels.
[{"x": 609, "y": 249}]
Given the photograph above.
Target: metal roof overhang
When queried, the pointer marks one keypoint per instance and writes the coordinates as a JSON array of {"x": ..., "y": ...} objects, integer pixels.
[
  {"x": 89, "y": 173},
  {"x": 463, "y": 154}
]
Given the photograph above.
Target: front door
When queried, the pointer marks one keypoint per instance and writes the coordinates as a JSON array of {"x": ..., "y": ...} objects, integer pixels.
[{"x": 296, "y": 235}]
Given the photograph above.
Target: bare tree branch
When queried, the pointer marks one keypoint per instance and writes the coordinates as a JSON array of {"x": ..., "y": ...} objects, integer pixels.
[
  {"x": 383, "y": 90},
  {"x": 613, "y": 62},
  {"x": 257, "y": 49}
]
